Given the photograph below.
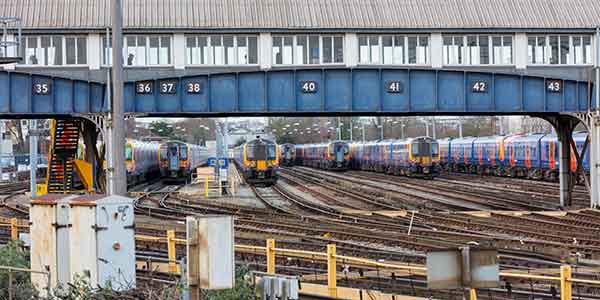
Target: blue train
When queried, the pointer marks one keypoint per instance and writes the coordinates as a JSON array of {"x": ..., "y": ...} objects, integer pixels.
[
  {"x": 413, "y": 157},
  {"x": 333, "y": 155},
  {"x": 287, "y": 154},
  {"x": 178, "y": 160},
  {"x": 533, "y": 156}
]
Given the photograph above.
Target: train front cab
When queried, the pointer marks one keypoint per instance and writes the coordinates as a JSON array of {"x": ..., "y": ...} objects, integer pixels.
[
  {"x": 261, "y": 160},
  {"x": 287, "y": 155},
  {"x": 130, "y": 168},
  {"x": 338, "y": 156},
  {"x": 174, "y": 160},
  {"x": 424, "y": 158}
]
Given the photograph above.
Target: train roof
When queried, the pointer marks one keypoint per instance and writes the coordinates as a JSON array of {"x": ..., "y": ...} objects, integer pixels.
[
  {"x": 528, "y": 137},
  {"x": 260, "y": 140}
]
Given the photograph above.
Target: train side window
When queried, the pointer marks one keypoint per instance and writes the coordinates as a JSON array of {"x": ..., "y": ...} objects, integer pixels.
[
  {"x": 183, "y": 153},
  {"x": 434, "y": 149},
  {"x": 415, "y": 149},
  {"x": 272, "y": 152},
  {"x": 128, "y": 152}
]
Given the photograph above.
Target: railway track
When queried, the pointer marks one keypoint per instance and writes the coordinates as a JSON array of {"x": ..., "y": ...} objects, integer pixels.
[{"x": 304, "y": 214}]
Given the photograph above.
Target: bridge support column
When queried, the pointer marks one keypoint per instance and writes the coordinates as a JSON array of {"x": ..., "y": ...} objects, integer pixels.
[
  {"x": 564, "y": 126},
  {"x": 564, "y": 137}
]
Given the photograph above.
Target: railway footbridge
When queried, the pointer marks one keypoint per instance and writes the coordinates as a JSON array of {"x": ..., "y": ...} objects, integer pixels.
[{"x": 321, "y": 91}]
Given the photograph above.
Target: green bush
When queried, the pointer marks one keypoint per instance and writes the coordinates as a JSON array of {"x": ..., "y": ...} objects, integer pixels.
[
  {"x": 243, "y": 289},
  {"x": 12, "y": 255}
]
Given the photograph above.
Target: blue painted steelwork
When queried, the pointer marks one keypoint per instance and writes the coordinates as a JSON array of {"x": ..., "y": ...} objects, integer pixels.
[
  {"x": 37, "y": 95},
  {"x": 359, "y": 91}
]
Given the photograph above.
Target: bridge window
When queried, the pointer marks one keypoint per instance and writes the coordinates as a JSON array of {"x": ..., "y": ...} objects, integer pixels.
[
  {"x": 308, "y": 49},
  {"x": 477, "y": 50},
  {"x": 502, "y": 50},
  {"x": 453, "y": 50},
  {"x": 393, "y": 49},
  {"x": 559, "y": 50},
  {"x": 49, "y": 50},
  {"x": 221, "y": 50},
  {"x": 140, "y": 50}
]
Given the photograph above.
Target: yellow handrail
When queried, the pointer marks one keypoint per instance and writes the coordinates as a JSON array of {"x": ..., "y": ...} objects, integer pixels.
[{"x": 331, "y": 257}]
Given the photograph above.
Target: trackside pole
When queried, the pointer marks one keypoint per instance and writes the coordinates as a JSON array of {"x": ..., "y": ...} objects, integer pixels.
[
  {"x": 594, "y": 133},
  {"x": 117, "y": 181}
]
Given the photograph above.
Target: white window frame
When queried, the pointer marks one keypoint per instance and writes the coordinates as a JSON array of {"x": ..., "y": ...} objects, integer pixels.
[
  {"x": 63, "y": 38},
  {"x": 465, "y": 51},
  {"x": 106, "y": 50},
  {"x": 502, "y": 47},
  {"x": 405, "y": 54},
  {"x": 571, "y": 54},
  {"x": 307, "y": 49},
  {"x": 210, "y": 56}
]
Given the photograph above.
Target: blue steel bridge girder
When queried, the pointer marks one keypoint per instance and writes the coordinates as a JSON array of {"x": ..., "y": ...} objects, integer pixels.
[{"x": 306, "y": 91}]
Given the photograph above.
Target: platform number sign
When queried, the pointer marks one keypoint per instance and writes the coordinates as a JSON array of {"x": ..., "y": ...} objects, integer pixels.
[
  {"x": 308, "y": 86},
  {"x": 168, "y": 87},
  {"x": 394, "y": 87},
  {"x": 193, "y": 87},
  {"x": 479, "y": 86},
  {"x": 554, "y": 86},
  {"x": 42, "y": 88},
  {"x": 144, "y": 87}
]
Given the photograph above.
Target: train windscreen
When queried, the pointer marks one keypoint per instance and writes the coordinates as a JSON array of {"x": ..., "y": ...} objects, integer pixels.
[
  {"x": 256, "y": 152},
  {"x": 173, "y": 151},
  {"x": 272, "y": 153},
  {"x": 183, "y": 152}
]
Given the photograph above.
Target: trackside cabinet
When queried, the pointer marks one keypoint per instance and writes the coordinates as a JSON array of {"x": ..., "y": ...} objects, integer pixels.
[
  {"x": 115, "y": 239},
  {"x": 83, "y": 248},
  {"x": 84, "y": 236},
  {"x": 49, "y": 235}
]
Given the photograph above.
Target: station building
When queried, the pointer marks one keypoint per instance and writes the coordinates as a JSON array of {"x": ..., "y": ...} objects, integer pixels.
[{"x": 184, "y": 37}]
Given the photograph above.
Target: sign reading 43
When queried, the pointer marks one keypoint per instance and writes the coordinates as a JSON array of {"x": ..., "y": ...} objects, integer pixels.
[{"x": 554, "y": 86}]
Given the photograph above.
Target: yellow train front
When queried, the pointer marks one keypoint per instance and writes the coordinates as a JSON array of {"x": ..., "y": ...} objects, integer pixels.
[{"x": 259, "y": 161}]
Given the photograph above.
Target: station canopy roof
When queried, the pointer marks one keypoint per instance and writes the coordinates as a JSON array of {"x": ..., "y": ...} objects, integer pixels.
[{"x": 269, "y": 15}]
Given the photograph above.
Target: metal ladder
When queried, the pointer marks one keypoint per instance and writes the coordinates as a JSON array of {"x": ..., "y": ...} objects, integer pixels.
[{"x": 64, "y": 135}]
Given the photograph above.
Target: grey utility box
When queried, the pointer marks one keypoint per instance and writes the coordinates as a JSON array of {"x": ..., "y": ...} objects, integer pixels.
[
  {"x": 93, "y": 237},
  {"x": 463, "y": 268},
  {"x": 274, "y": 287},
  {"x": 49, "y": 236}
]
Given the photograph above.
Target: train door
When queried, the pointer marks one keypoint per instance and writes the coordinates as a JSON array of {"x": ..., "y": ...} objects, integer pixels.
[
  {"x": 288, "y": 153},
  {"x": 339, "y": 152},
  {"x": 173, "y": 157}
]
